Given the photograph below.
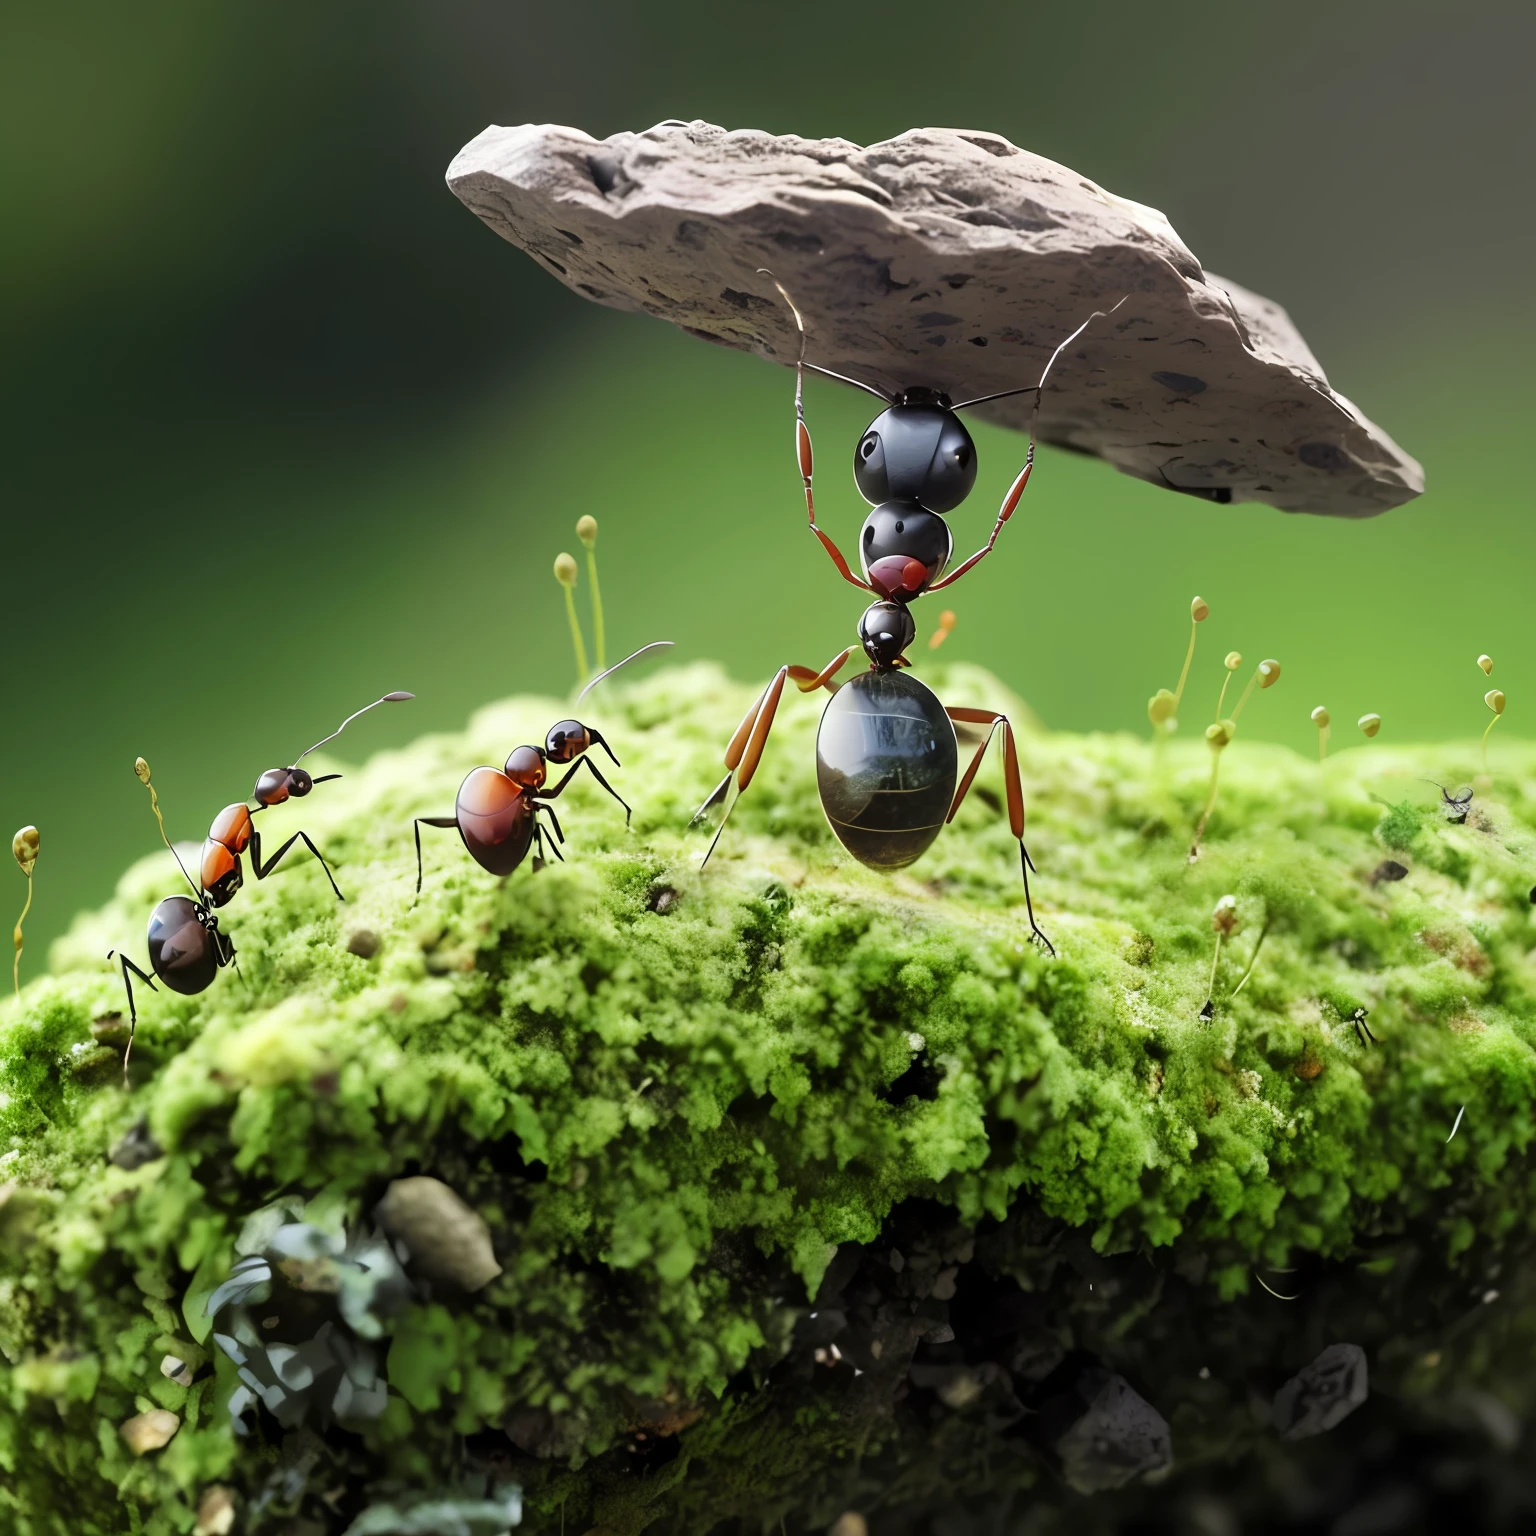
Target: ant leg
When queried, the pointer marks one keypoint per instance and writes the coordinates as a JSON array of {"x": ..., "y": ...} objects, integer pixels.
[
  {"x": 745, "y": 752},
  {"x": 133, "y": 1013},
  {"x": 1015, "y": 791},
  {"x": 804, "y": 458},
  {"x": 557, "y": 837},
  {"x": 808, "y": 681},
  {"x": 1010, "y": 501},
  {"x": 549, "y": 794},
  {"x": 429, "y": 821},
  {"x": 549, "y": 811},
  {"x": 261, "y": 871}
]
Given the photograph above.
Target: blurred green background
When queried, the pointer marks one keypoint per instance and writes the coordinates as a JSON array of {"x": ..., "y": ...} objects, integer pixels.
[{"x": 285, "y": 426}]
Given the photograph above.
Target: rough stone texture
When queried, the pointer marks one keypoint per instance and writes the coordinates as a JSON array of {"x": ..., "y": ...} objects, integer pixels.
[
  {"x": 1119, "y": 1435},
  {"x": 152, "y": 1431},
  {"x": 954, "y": 261},
  {"x": 1322, "y": 1394},
  {"x": 447, "y": 1241}
]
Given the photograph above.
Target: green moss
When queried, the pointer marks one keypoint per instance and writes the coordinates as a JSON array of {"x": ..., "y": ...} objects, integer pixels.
[{"x": 674, "y": 1097}]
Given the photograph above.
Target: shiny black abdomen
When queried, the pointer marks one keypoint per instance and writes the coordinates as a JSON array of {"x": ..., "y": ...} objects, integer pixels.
[
  {"x": 182, "y": 953},
  {"x": 885, "y": 764}
]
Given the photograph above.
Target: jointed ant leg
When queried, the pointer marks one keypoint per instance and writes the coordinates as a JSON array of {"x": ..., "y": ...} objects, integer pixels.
[
  {"x": 745, "y": 752},
  {"x": 808, "y": 681},
  {"x": 261, "y": 871},
  {"x": 429, "y": 821},
  {"x": 549, "y": 794},
  {"x": 133, "y": 1013},
  {"x": 557, "y": 836},
  {"x": 549, "y": 811},
  {"x": 804, "y": 458},
  {"x": 1010, "y": 501},
  {"x": 1014, "y": 787},
  {"x": 539, "y": 847}
]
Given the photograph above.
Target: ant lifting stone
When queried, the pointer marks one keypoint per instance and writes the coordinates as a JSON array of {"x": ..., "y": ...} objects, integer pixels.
[{"x": 887, "y": 756}]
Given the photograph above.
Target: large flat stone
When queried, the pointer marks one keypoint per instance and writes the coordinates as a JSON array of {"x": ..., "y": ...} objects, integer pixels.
[{"x": 954, "y": 261}]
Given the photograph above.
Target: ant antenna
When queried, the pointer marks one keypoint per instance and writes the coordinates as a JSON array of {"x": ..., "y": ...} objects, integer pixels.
[
  {"x": 141, "y": 771},
  {"x": 655, "y": 645},
  {"x": 1098, "y": 314},
  {"x": 842, "y": 378},
  {"x": 389, "y": 698}
]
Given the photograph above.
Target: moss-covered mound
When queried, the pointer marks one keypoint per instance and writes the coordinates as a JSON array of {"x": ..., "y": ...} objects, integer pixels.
[{"x": 811, "y": 1190}]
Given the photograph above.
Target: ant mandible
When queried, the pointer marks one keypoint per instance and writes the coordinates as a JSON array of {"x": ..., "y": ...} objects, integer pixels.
[
  {"x": 886, "y": 750},
  {"x": 497, "y": 809},
  {"x": 186, "y": 949}
]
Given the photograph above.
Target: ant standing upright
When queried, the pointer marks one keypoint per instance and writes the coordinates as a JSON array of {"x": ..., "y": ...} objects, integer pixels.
[
  {"x": 886, "y": 750},
  {"x": 186, "y": 949}
]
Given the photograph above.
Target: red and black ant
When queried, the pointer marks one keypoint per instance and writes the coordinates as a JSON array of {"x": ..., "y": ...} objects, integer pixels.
[
  {"x": 886, "y": 750},
  {"x": 497, "y": 809},
  {"x": 186, "y": 949}
]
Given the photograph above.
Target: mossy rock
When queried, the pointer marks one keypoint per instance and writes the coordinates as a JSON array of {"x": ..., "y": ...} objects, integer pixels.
[{"x": 813, "y": 1190}]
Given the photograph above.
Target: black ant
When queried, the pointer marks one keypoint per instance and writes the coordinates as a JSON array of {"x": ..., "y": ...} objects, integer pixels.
[
  {"x": 186, "y": 949},
  {"x": 497, "y": 809},
  {"x": 1456, "y": 807},
  {"x": 1362, "y": 1029},
  {"x": 886, "y": 751}
]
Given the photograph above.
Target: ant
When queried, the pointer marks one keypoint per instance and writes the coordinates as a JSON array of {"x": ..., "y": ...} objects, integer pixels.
[
  {"x": 497, "y": 809},
  {"x": 1362, "y": 1029},
  {"x": 186, "y": 949},
  {"x": 887, "y": 756},
  {"x": 1456, "y": 807}
]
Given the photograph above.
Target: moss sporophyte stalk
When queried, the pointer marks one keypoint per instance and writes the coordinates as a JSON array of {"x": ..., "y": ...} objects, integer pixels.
[{"x": 789, "y": 1189}]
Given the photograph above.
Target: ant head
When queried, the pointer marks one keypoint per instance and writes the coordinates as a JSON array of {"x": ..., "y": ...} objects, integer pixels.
[
  {"x": 885, "y": 631},
  {"x": 277, "y": 784},
  {"x": 919, "y": 451},
  {"x": 566, "y": 741},
  {"x": 525, "y": 767}
]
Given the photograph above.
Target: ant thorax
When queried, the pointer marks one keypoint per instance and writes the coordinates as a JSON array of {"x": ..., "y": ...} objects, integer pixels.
[{"x": 904, "y": 549}]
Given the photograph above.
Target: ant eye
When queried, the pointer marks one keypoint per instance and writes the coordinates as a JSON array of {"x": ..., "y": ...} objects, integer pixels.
[
  {"x": 901, "y": 527},
  {"x": 963, "y": 455},
  {"x": 869, "y": 535}
]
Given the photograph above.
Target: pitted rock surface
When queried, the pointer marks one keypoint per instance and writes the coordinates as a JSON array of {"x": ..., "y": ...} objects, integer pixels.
[
  {"x": 953, "y": 261},
  {"x": 1322, "y": 1394}
]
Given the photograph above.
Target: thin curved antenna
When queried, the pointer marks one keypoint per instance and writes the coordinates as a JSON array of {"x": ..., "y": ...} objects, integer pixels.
[
  {"x": 655, "y": 645},
  {"x": 842, "y": 378},
  {"x": 389, "y": 698},
  {"x": 1098, "y": 314},
  {"x": 141, "y": 772}
]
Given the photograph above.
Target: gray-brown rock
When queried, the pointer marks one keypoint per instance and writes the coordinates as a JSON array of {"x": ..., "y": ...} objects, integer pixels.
[
  {"x": 1103, "y": 1432},
  {"x": 135, "y": 1147},
  {"x": 956, "y": 262},
  {"x": 1323, "y": 1394},
  {"x": 445, "y": 1240},
  {"x": 152, "y": 1431}
]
